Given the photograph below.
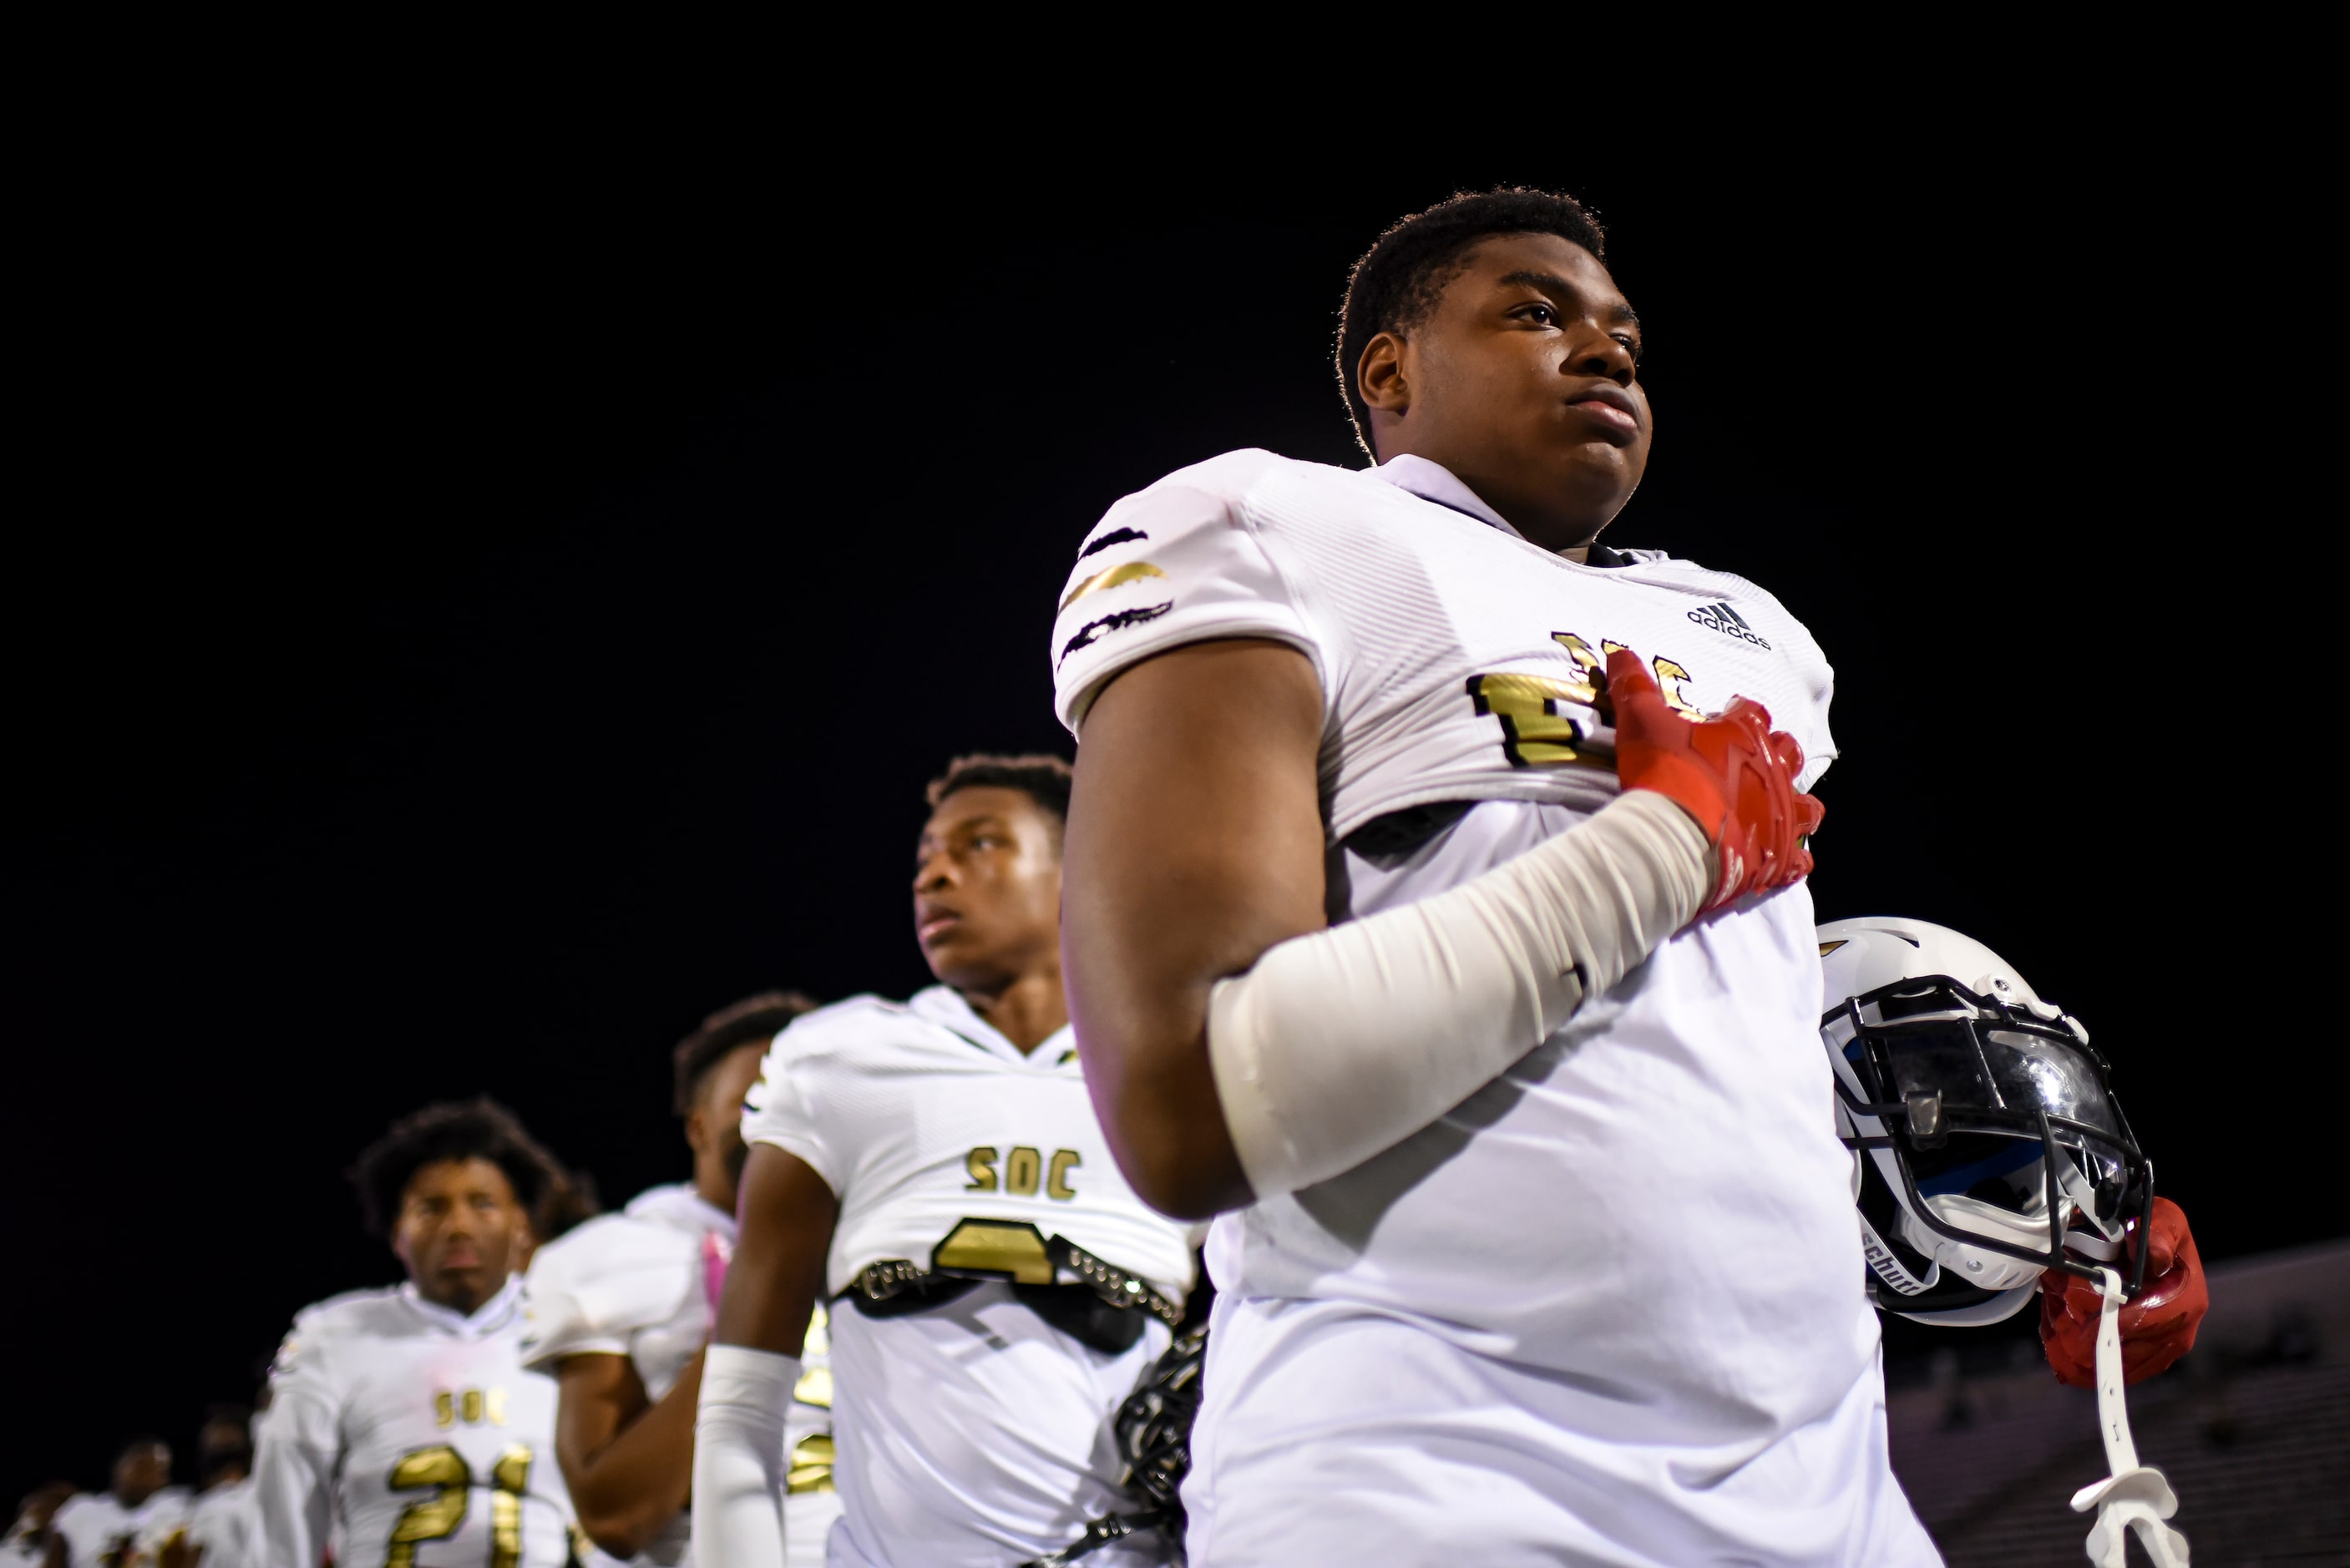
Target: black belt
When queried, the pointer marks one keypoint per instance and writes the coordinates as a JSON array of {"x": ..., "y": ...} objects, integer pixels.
[{"x": 1035, "y": 1265}]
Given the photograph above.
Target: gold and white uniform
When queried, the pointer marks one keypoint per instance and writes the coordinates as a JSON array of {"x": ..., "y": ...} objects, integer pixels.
[
  {"x": 972, "y": 1432},
  {"x": 409, "y": 1436},
  {"x": 637, "y": 1283},
  {"x": 1609, "y": 1309}
]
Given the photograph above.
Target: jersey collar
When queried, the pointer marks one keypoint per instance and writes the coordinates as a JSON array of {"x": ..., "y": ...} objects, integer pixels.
[
  {"x": 492, "y": 1316},
  {"x": 1434, "y": 482},
  {"x": 946, "y": 1008}
]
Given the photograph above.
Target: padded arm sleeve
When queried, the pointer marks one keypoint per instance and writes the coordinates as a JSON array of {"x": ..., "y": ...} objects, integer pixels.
[
  {"x": 1340, "y": 1045},
  {"x": 738, "y": 1457}
]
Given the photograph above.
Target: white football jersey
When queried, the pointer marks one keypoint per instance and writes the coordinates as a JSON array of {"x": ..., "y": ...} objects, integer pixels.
[
  {"x": 972, "y": 1432},
  {"x": 1649, "y": 1212},
  {"x": 221, "y": 1520},
  {"x": 637, "y": 1285},
  {"x": 410, "y": 1436},
  {"x": 100, "y": 1532}
]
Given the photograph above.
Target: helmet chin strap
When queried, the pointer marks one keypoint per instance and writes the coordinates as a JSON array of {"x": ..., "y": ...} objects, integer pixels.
[
  {"x": 2134, "y": 1496},
  {"x": 1981, "y": 1266}
]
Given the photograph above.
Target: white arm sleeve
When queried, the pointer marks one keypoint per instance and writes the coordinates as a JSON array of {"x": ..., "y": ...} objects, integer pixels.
[
  {"x": 738, "y": 1457},
  {"x": 1338, "y": 1045}
]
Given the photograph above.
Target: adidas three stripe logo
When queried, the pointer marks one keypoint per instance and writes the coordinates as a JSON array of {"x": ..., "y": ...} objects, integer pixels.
[{"x": 1721, "y": 617}]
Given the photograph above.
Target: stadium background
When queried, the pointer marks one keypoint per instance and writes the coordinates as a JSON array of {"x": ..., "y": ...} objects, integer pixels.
[{"x": 490, "y": 601}]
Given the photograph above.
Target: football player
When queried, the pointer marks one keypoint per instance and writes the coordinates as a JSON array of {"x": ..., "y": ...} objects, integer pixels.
[
  {"x": 1435, "y": 920},
  {"x": 402, "y": 1426},
  {"x": 30, "y": 1540},
  {"x": 620, "y": 1310},
  {"x": 106, "y": 1528},
  {"x": 933, "y": 1168},
  {"x": 220, "y": 1529},
  {"x": 1954, "y": 1190}
]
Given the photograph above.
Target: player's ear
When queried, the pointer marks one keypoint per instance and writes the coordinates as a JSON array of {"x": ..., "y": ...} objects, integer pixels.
[{"x": 1379, "y": 374}]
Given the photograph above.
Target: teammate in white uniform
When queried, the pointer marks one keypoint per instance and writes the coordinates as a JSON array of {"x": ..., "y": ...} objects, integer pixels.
[
  {"x": 619, "y": 1310},
  {"x": 402, "y": 1429},
  {"x": 1607, "y": 1307},
  {"x": 29, "y": 1538},
  {"x": 220, "y": 1529},
  {"x": 934, "y": 1168},
  {"x": 103, "y": 1529}
]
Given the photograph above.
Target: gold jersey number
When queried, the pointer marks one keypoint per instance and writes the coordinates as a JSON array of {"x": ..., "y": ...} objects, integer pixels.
[
  {"x": 442, "y": 1469},
  {"x": 1538, "y": 728}
]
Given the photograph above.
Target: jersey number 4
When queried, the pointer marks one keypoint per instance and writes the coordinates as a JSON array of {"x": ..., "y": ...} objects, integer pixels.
[{"x": 438, "y": 1517}]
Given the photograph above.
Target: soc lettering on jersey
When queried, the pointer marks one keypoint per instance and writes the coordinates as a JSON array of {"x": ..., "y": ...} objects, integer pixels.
[
  {"x": 438, "y": 1443},
  {"x": 971, "y": 1410},
  {"x": 949, "y": 1148},
  {"x": 1455, "y": 658}
]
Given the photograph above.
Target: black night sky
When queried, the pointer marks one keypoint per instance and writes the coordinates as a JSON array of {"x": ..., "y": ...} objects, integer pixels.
[{"x": 473, "y": 610}]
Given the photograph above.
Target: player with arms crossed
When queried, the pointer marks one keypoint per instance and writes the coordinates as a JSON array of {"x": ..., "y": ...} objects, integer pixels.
[
  {"x": 620, "y": 1308},
  {"x": 1435, "y": 938},
  {"x": 936, "y": 1163},
  {"x": 402, "y": 1424}
]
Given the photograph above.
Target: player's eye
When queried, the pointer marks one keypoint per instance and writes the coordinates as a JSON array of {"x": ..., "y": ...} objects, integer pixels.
[
  {"x": 1631, "y": 345},
  {"x": 1546, "y": 315}
]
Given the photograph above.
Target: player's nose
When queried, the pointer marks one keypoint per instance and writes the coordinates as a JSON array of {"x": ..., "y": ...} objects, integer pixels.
[{"x": 1601, "y": 353}]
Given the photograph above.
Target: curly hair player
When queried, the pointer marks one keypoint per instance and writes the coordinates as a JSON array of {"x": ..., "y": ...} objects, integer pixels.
[{"x": 402, "y": 1423}]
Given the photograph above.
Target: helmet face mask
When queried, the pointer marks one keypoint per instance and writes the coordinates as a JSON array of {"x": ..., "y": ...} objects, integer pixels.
[{"x": 1975, "y": 1107}]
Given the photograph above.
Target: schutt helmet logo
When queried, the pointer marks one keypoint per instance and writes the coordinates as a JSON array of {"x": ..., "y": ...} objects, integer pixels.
[{"x": 1729, "y": 622}]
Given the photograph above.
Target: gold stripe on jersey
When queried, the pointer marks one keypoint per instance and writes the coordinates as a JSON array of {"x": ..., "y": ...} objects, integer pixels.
[{"x": 1131, "y": 572}]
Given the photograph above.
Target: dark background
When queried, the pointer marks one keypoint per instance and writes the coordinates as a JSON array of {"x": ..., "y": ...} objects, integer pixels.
[{"x": 474, "y": 608}]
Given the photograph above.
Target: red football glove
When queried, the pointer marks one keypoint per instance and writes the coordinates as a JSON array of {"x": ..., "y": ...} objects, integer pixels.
[
  {"x": 1735, "y": 774},
  {"x": 2157, "y": 1328}
]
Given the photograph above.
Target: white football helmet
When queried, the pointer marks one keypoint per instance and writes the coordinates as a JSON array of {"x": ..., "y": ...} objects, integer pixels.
[{"x": 1987, "y": 1145}]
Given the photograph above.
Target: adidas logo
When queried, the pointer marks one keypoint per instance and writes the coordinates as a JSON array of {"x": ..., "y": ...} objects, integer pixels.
[{"x": 1729, "y": 622}]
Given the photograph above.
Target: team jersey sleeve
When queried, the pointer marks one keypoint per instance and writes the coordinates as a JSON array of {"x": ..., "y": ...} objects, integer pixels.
[
  {"x": 1174, "y": 564},
  {"x": 784, "y": 1107},
  {"x": 558, "y": 1320},
  {"x": 294, "y": 1450},
  {"x": 589, "y": 1291}
]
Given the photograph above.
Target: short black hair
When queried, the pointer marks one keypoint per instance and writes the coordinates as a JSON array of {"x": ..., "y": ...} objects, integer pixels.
[
  {"x": 212, "y": 1461},
  {"x": 455, "y": 1129},
  {"x": 1397, "y": 281},
  {"x": 1043, "y": 779},
  {"x": 753, "y": 1018}
]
